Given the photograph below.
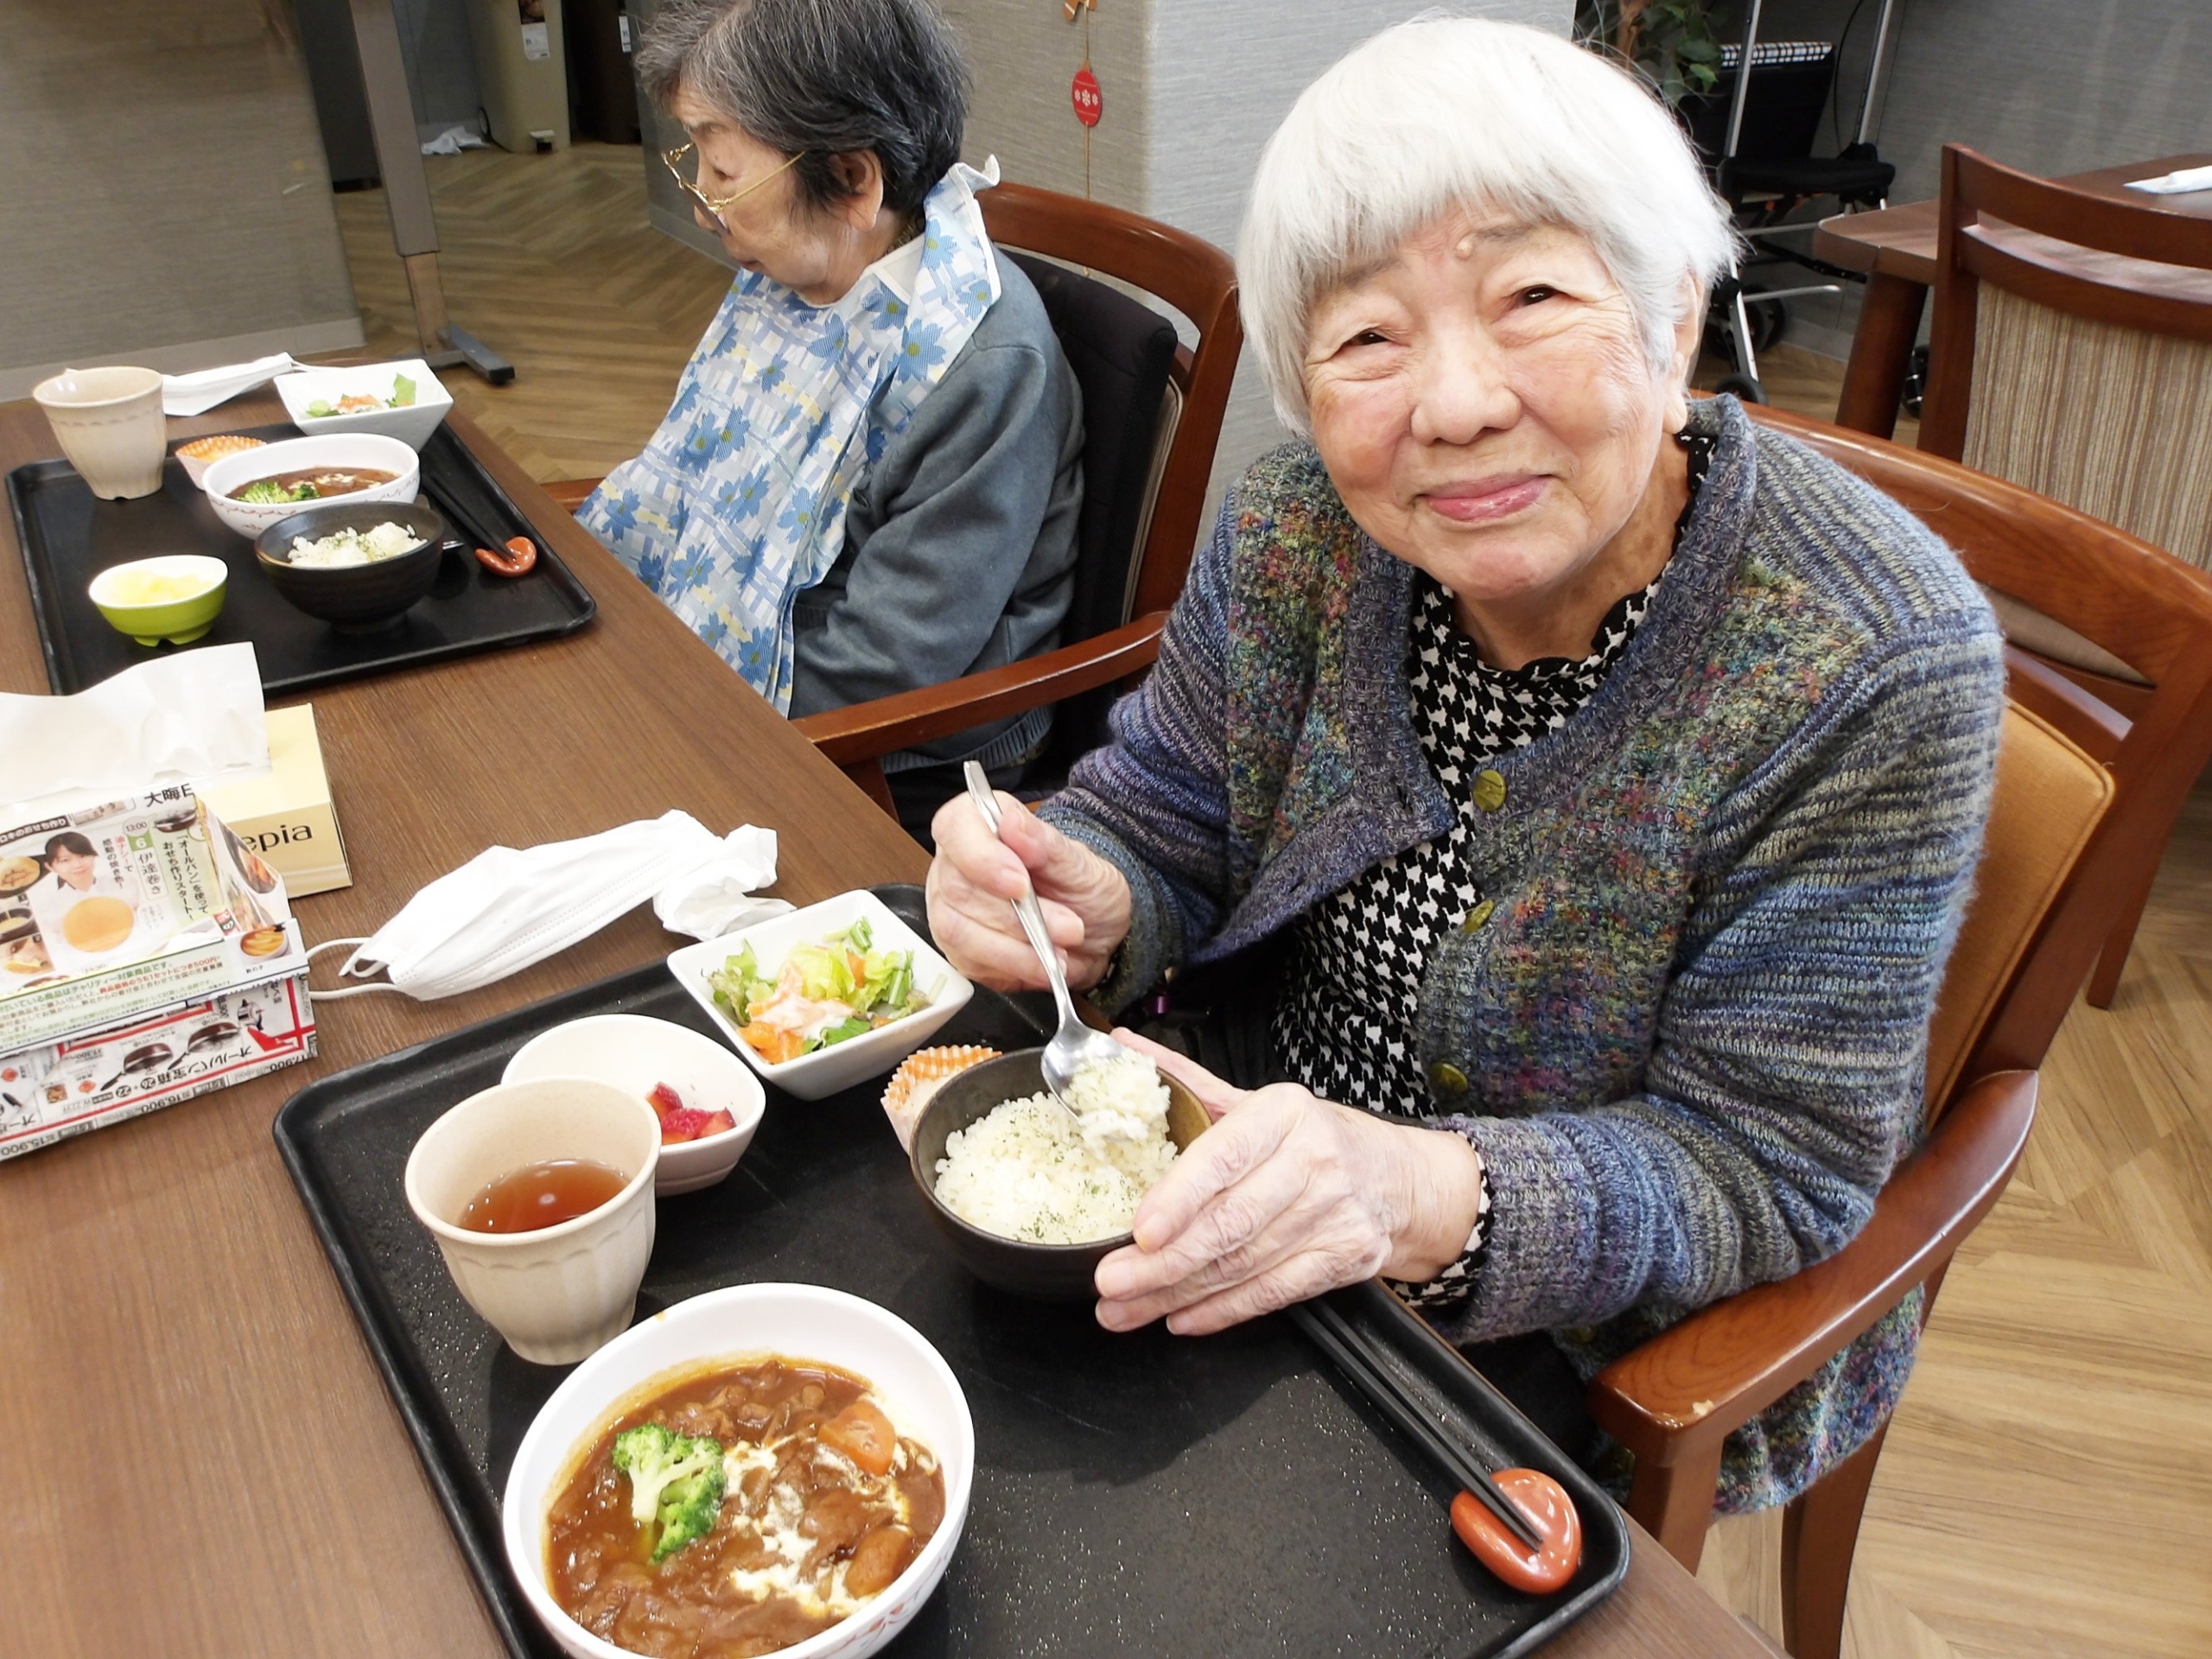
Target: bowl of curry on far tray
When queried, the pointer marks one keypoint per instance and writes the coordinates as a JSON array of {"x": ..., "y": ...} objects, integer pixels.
[
  {"x": 251, "y": 490},
  {"x": 762, "y": 1468}
]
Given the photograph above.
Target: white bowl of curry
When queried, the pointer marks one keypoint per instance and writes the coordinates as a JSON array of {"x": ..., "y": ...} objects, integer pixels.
[
  {"x": 253, "y": 489},
  {"x": 803, "y": 1459}
]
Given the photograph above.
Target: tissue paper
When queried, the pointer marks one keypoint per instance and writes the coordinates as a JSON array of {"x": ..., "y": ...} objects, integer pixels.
[
  {"x": 193, "y": 717},
  {"x": 200, "y": 391}
]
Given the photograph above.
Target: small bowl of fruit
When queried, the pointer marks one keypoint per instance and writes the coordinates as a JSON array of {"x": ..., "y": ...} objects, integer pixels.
[{"x": 708, "y": 1105}]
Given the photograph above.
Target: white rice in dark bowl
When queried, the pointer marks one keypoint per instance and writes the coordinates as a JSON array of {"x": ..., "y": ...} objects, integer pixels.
[{"x": 1025, "y": 1171}]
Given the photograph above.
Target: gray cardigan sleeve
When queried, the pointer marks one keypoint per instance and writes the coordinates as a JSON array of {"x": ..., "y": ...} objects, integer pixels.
[
  {"x": 957, "y": 502},
  {"x": 1786, "y": 1077}
]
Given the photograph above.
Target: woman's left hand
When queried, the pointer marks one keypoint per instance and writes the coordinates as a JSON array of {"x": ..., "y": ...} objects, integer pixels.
[{"x": 1285, "y": 1196}]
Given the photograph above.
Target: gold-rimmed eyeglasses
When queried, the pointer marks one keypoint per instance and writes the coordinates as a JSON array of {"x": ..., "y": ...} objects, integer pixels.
[{"x": 673, "y": 159}]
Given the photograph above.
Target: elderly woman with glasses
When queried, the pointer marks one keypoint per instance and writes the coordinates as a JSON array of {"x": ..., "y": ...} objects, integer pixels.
[
  {"x": 1561, "y": 791},
  {"x": 869, "y": 479}
]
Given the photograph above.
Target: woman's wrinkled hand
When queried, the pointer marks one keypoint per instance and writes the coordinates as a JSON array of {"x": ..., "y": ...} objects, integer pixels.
[
  {"x": 1285, "y": 1196},
  {"x": 975, "y": 876}
]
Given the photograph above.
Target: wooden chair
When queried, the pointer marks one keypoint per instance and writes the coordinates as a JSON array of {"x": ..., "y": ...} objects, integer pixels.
[
  {"x": 1120, "y": 637},
  {"x": 2079, "y": 793},
  {"x": 1123, "y": 594},
  {"x": 2060, "y": 360},
  {"x": 2133, "y": 601}
]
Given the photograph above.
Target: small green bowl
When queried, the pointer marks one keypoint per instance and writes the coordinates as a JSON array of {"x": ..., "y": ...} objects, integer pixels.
[{"x": 180, "y": 621}]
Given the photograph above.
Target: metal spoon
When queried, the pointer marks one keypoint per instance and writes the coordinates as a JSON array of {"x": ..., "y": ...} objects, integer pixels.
[{"x": 1074, "y": 1045}]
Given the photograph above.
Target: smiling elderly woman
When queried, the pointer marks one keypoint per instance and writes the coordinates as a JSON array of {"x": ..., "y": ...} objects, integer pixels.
[
  {"x": 1585, "y": 783},
  {"x": 869, "y": 479}
]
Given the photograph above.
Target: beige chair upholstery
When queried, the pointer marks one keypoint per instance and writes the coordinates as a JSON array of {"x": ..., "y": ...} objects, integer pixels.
[
  {"x": 2048, "y": 799},
  {"x": 2115, "y": 422},
  {"x": 2112, "y": 420}
]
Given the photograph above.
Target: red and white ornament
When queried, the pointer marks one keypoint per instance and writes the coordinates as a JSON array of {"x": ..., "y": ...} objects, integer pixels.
[{"x": 1084, "y": 95}]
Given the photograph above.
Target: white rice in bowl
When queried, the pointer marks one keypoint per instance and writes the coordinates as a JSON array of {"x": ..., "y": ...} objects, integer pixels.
[
  {"x": 345, "y": 548},
  {"x": 1025, "y": 1171}
]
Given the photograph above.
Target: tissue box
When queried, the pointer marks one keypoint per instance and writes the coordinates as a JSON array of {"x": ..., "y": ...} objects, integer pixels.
[
  {"x": 51, "y": 1091},
  {"x": 287, "y": 818},
  {"x": 123, "y": 908}
]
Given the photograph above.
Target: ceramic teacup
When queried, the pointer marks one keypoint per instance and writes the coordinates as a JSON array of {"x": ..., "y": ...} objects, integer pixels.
[
  {"x": 561, "y": 1293},
  {"x": 109, "y": 423}
]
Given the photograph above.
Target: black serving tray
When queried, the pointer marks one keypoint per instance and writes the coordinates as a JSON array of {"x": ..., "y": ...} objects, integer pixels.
[
  {"x": 1135, "y": 1495},
  {"x": 68, "y": 535}
]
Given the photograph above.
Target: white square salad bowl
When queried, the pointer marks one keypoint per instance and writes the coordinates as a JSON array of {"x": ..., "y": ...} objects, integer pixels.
[
  {"x": 915, "y": 1385},
  {"x": 839, "y": 1066},
  {"x": 411, "y": 423}
]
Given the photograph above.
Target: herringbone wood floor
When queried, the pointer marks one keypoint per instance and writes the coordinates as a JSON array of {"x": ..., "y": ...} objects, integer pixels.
[
  {"x": 549, "y": 260},
  {"x": 2047, "y": 1489}
]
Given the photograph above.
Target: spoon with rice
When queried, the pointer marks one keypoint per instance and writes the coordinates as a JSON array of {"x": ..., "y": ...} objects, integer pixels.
[{"x": 1075, "y": 1048}]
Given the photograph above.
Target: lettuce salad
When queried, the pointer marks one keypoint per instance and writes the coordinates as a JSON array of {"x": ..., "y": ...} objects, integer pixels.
[{"x": 827, "y": 992}]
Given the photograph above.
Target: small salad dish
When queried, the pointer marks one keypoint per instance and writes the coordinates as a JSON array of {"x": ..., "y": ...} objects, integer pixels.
[
  {"x": 401, "y": 400},
  {"x": 825, "y": 997},
  {"x": 709, "y": 1105},
  {"x": 175, "y": 597}
]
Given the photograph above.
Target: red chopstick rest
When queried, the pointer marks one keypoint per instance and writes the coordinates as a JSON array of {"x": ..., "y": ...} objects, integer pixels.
[{"x": 1549, "y": 1509}]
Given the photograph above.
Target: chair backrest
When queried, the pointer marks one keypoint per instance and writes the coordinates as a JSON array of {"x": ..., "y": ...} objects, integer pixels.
[
  {"x": 2048, "y": 799},
  {"x": 2071, "y": 349},
  {"x": 1164, "y": 401},
  {"x": 1195, "y": 278},
  {"x": 1121, "y": 353},
  {"x": 2141, "y": 604}
]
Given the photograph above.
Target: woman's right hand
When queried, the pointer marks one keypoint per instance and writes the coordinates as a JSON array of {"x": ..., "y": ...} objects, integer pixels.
[{"x": 975, "y": 876}]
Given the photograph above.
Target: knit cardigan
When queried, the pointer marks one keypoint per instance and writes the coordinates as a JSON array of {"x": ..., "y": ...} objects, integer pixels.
[{"x": 1688, "y": 1039}]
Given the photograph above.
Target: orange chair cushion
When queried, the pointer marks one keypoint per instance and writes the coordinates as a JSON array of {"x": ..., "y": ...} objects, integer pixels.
[{"x": 2050, "y": 796}]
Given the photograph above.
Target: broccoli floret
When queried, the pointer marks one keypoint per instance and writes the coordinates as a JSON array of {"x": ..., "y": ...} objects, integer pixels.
[{"x": 675, "y": 1481}]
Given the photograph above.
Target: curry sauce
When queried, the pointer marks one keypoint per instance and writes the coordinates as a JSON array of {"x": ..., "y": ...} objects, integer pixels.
[{"x": 824, "y": 1506}]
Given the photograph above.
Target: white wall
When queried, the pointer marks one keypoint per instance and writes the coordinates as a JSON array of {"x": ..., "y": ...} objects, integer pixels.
[
  {"x": 1191, "y": 89},
  {"x": 164, "y": 196}
]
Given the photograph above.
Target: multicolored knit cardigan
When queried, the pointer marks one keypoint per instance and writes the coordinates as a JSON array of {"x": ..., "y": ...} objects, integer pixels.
[{"x": 1689, "y": 1041}]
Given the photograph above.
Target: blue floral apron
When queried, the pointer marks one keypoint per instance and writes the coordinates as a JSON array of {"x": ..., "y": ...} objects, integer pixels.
[{"x": 738, "y": 504}]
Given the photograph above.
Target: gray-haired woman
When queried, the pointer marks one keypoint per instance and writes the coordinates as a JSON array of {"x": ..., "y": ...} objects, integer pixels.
[
  {"x": 1582, "y": 783},
  {"x": 869, "y": 478}
]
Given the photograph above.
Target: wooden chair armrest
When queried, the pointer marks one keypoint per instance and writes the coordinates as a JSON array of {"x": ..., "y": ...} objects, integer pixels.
[
  {"x": 865, "y": 731},
  {"x": 569, "y": 493},
  {"x": 1677, "y": 1397}
]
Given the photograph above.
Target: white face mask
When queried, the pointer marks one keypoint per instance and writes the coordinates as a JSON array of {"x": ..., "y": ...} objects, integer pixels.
[{"x": 509, "y": 907}]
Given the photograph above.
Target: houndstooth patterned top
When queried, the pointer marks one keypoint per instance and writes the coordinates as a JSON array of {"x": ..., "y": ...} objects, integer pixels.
[{"x": 1345, "y": 1022}]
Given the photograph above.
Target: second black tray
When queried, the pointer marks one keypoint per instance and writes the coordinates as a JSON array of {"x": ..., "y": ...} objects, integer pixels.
[
  {"x": 1135, "y": 1495},
  {"x": 68, "y": 535}
]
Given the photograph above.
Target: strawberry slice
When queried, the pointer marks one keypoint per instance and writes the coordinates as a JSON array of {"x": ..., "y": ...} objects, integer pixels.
[
  {"x": 684, "y": 1123},
  {"x": 716, "y": 1122},
  {"x": 665, "y": 1100}
]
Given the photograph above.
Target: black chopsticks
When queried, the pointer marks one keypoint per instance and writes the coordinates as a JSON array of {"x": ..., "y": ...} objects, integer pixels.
[{"x": 1334, "y": 1336}]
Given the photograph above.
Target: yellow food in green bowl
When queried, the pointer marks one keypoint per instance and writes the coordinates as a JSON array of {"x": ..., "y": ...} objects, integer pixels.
[{"x": 176, "y": 597}]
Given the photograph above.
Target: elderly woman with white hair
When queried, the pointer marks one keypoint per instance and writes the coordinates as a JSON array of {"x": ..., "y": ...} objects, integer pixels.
[
  {"x": 1581, "y": 783},
  {"x": 870, "y": 475}
]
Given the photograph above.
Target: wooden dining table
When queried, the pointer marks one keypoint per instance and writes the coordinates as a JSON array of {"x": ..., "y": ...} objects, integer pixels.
[
  {"x": 202, "y": 1456},
  {"x": 1896, "y": 247}
]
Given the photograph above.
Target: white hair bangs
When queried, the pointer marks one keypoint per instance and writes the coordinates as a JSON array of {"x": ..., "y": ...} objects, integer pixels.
[{"x": 1452, "y": 112}]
